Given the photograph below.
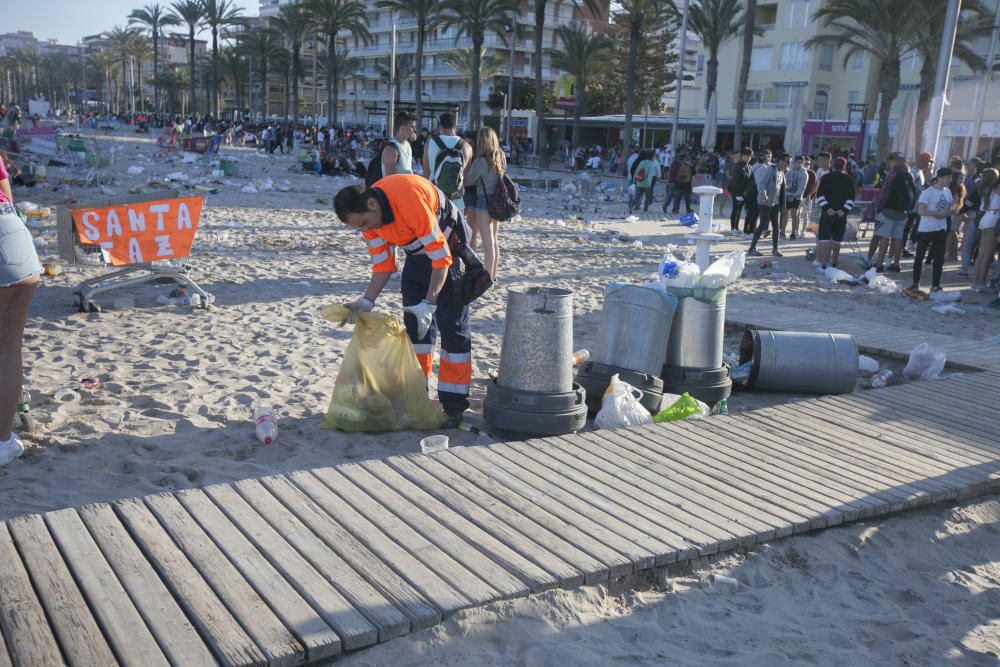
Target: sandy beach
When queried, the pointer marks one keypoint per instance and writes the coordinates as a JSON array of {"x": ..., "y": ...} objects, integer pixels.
[{"x": 178, "y": 385}]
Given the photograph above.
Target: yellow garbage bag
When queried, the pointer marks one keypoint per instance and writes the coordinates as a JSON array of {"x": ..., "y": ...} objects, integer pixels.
[{"x": 380, "y": 386}]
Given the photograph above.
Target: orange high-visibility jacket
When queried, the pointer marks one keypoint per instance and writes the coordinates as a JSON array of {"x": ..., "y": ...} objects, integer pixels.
[{"x": 412, "y": 213}]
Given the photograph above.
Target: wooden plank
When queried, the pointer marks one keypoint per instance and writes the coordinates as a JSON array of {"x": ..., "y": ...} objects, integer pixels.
[
  {"x": 121, "y": 623},
  {"x": 882, "y": 459},
  {"x": 933, "y": 408},
  {"x": 367, "y": 565},
  {"x": 437, "y": 560},
  {"x": 665, "y": 470},
  {"x": 912, "y": 436},
  {"x": 79, "y": 636},
  {"x": 692, "y": 495},
  {"x": 615, "y": 559},
  {"x": 871, "y": 497},
  {"x": 551, "y": 537},
  {"x": 376, "y": 606},
  {"x": 533, "y": 576},
  {"x": 663, "y": 505},
  {"x": 429, "y": 583},
  {"x": 354, "y": 630},
  {"x": 227, "y": 639},
  {"x": 30, "y": 641},
  {"x": 637, "y": 546},
  {"x": 827, "y": 442},
  {"x": 308, "y": 628},
  {"x": 797, "y": 479},
  {"x": 176, "y": 635},
  {"x": 683, "y": 444},
  {"x": 590, "y": 492},
  {"x": 275, "y": 640},
  {"x": 466, "y": 552},
  {"x": 494, "y": 523}
]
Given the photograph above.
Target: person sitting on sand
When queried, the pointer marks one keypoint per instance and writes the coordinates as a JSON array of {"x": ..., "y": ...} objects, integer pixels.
[{"x": 408, "y": 211}]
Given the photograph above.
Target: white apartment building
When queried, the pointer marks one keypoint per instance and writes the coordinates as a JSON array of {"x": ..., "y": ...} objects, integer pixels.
[
  {"x": 782, "y": 70},
  {"x": 365, "y": 100}
]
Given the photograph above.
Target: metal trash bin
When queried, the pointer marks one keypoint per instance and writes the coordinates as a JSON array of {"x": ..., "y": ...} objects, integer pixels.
[
  {"x": 694, "y": 351},
  {"x": 795, "y": 361},
  {"x": 534, "y": 392},
  {"x": 635, "y": 322}
]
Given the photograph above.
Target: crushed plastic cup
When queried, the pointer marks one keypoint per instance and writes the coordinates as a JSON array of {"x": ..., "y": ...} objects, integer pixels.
[
  {"x": 66, "y": 395},
  {"x": 717, "y": 584},
  {"x": 434, "y": 443}
]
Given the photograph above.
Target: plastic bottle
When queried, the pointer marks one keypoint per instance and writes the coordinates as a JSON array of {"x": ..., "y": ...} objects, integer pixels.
[
  {"x": 881, "y": 379},
  {"x": 267, "y": 425},
  {"x": 193, "y": 300},
  {"x": 722, "y": 407},
  {"x": 580, "y": 357}
]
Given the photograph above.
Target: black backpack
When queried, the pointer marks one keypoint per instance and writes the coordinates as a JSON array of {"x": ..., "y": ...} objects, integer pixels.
[
  {"x": 506, "y": 202},
  {"x": 469, "y": 278},
  {"x": 374, "y": 171}
]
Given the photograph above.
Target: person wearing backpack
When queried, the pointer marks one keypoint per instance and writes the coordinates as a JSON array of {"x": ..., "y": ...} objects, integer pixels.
[
  {"x": 681, "y": 185},
  {"x": 645, "y": 175},
  {"x": 485, "y": 174},
  {"x": 447, "y": 159},
  {"x": 897, "y": 200}
]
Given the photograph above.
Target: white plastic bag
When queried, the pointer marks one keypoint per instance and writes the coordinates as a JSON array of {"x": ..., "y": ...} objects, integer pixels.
[
  {"x": 948, "y": 308},
  {"x": 883, "y": 285},
  {"x": 925, "y": 363},
  {"x": 945, "y": 296},
  {"x": 835, "y": 275},
  {"x": 725, "y": 270},
  {"x": 621, "y": 407},
  {"x": 867, "y": 364},
  {"x": 687, "y": 275}
]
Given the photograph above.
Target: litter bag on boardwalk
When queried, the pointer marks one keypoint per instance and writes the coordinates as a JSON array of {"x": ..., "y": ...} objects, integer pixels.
[
  {"x": 621, "y": 407},
  {"x": 380, "y": 386}
]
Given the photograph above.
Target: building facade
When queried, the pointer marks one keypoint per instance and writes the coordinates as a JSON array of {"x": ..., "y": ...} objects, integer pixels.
[{"x": 783, "y": 72}]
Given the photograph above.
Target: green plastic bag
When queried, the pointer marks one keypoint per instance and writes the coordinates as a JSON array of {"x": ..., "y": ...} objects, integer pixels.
[
  {"x": 380, "y": 386},
  {"x": 683, "y": 408}
]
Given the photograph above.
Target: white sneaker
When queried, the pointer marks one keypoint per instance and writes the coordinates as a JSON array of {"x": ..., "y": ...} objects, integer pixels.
[
  {"x": 11, "y": 449},
  {"x": 816, "y": 262}
]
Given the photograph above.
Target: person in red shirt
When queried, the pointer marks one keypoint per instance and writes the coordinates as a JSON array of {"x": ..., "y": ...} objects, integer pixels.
[{"x": 410, "y": 212}]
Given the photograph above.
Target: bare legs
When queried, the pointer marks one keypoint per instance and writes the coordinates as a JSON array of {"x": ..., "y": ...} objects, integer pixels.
[
  {"x": 489, "y": 230},
  {"x": 987, "y": 249},
  {"x": 14, "y": 302}
]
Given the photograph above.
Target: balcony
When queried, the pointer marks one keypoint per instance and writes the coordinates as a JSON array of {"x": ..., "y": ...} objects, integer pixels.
[{"x": 766, "y": 105}]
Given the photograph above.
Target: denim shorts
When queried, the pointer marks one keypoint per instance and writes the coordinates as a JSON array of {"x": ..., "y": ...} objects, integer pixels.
[
  {"x": 18, "y": 259},
  {"x": 481, "y": 203}
]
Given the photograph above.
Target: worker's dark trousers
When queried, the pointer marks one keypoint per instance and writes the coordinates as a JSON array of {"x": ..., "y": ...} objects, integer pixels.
[{"x": 452, "y": 321}]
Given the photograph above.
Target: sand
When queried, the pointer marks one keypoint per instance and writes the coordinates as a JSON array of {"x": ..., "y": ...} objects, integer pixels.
[{"x": 178, "y": 386}]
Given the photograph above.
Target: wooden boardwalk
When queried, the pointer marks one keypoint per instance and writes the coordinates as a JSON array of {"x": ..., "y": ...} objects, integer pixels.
[{"x": 298, "y": 568}]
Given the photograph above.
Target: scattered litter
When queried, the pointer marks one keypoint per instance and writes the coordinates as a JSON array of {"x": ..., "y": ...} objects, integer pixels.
[
  {"x": 66, "y": 395},
  {"x": 740, "y": 373},
  {"x": 434, "y": 443},
  {"x": 90, "y": 383},
  {"x": 867, "y": 364},
  {"x": 304, "y": 283},
  {"x": 684, "y": 407},
  {"x": 835, "y": 275},
  {"x": 135, "y": 170},
  {"x": 717, "y": 584},
  {"x": 176, "y": 176},
  {"x": 883, "y": 285},
  {"x": 925, "y": 363},
  {"x": 948, "y": 308},
  {"x": 621, "y": 407},
  {"x": 235, "y": 225},
  {"x": 881, "y": 379},
  {"x": 945, "y": 296},
  {"x": 107, "y": 191},
  {"x": 189, "y": 158},
  {"x": 248, "y": 190},
  {"x": 321, "y": 200}
]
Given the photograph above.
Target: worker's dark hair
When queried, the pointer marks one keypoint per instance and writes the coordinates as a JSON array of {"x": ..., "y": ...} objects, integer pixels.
[
  {"x": 783, "y": 156},
  {"x": 352, "y": 199},
  {"x": 447, "y": 121},
  {"x": 402, "y": 118}
]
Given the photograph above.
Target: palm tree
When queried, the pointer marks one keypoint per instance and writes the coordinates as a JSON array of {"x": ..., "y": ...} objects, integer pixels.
[
  {"x": 295, "y": 25},
  {"x": 217, "y": 14},
  {"x": 926, "y": 42},
  {"x": 262, "y": 46},
  {"x": 406, "y": 68},
  {"x": 334, "y": 17},
  {"x": 638, "y": 12},
  {"x": 475, "y": 18},
  {"x": 749, "y": 31},
  {"x": 104, "y": 62},
  {"x": 233, "y": 66},
  {"x": 579, "y": 55},
  {"x": 879, "y": 28},
  {"x": 26, "y": 62},
  {"x": 192, "y": 14},
  {"x": 153, "y": 17},
  {"x": 141, "y": 51},
  {"x": 425, "y": 13},
  {"x": 462, "y": 61},
  {"x": 172, "y": 82},
  {"x": 347, "y": 67},
  {"x": 120, "y": 42},
  {"x": 716, "y": 22}
]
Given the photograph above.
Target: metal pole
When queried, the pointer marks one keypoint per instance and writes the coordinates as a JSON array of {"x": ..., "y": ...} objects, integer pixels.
[
  {"x": 510, "y": 83},
  {"x": 987, "y": 79},
  {"x": 932, "y": 130},
  {"x": 390, "y": 118},
  {"x": 680, "y": 77}
]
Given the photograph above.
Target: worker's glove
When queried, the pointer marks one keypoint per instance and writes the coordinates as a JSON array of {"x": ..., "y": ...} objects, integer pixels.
[
  {"x": 424, "y": 312},
  {"x": 362, "y": 305}
]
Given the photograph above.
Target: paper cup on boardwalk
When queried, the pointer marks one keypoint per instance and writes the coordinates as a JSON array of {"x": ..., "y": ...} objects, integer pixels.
[{"x": 434, "y": 443}]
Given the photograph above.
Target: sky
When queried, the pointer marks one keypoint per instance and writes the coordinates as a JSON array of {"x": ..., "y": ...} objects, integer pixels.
[{"x": 69, "y": 20}]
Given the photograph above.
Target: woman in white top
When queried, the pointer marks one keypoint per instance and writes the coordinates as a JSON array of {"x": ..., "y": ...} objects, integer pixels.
[
  {"x": 484, "y": 175},
  {"x": 935, "y": 205},
  {"x": 987, "y": 236}
]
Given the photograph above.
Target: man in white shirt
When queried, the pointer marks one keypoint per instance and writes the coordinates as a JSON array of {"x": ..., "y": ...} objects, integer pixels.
[
  {"x": 397, "y": 156},
  {"x": 935, "y": 206}
]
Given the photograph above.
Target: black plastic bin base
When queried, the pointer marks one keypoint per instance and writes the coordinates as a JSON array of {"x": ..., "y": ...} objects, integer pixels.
[
  {"x": 595, "y": 378},
  {"x": 534, "y": 413},
  {"x": 707, "y": 385}
]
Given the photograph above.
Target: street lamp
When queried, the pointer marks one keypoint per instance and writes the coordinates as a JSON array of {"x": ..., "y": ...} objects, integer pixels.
[
  {"x": 512, "y": 29},
  {"x": 826, "y": 108}
]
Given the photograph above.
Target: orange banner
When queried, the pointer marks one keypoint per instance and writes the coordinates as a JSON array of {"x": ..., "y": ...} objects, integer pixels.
[{"x": 142, "y": 232}]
